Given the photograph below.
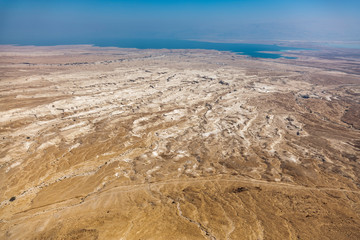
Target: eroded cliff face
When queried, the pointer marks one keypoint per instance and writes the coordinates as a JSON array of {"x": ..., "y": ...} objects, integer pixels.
[{"x": 104, "y": 143}]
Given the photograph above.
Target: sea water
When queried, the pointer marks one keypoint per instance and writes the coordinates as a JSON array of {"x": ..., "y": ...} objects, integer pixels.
[
  {"x": 252, "y": 50},
  {"x": 248, "y": 49}
]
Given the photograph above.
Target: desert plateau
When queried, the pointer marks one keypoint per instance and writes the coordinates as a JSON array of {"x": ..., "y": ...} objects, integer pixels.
[{"x": 116, "y": 143}]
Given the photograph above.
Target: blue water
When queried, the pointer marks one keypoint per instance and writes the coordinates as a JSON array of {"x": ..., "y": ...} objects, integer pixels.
[{"x": 252, "y": 50}]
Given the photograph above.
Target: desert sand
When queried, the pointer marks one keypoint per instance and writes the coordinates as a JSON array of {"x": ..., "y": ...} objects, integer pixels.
[{"x": 110, "y": 143}]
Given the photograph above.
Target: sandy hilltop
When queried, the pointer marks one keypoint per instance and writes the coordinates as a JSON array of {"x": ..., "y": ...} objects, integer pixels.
[{"x": 109, "y": 143}]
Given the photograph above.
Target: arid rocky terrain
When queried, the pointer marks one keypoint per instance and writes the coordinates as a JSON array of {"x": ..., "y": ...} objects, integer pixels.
[{"x": 109, "y": 143}]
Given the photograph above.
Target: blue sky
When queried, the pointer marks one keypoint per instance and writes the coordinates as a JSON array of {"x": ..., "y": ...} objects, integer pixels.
[{"x": 84, "y": 21}]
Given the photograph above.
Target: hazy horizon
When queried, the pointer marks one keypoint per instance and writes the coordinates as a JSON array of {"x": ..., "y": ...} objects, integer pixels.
[{"x": 88, "y": 21}]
